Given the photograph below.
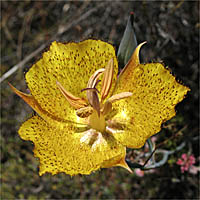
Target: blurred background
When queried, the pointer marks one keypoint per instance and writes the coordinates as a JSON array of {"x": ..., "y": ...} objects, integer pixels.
[{"x": 171, "y": 29}]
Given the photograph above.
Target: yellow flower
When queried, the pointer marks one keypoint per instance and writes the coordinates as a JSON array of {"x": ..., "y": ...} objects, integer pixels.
[{"x": 86, "y": 115}]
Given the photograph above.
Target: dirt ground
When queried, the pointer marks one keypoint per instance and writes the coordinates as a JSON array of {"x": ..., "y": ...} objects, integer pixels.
[{"x": 171, "y": 29}]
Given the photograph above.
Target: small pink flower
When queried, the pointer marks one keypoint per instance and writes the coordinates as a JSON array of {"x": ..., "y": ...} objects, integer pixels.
[
  {"x": 194, "y": 170},
  {"x": 139, "y": 172},
  {"x": 154, "y": 138},
  {"x": 186, "y": 162},
  {"x": 184, "y": 156},
  {"x": 179, "y": 162},
  {"x": 192, "y": 159}
]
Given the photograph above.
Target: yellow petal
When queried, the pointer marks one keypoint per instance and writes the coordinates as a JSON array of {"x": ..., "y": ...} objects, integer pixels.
[
  {"x": 68, "y": 150},
  {"x": 155, "y": 95},
  {"x": 71, "y": 65}
]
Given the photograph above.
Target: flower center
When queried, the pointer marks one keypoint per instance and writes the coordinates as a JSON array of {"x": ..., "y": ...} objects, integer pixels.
[
  {"x": 97, "y": 122},
  {"x": 97, "y": 109}
]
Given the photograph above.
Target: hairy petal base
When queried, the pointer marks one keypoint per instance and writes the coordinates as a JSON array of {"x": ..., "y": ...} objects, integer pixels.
[{"x": 64, "y": 150}]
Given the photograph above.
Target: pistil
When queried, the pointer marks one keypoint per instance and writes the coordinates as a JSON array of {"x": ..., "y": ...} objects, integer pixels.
[{"x": 97, "y": 122}]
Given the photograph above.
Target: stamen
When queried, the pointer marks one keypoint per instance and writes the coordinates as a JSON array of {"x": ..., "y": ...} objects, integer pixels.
[
  {"x": 94, "y": 89},
  {"x": 119, "y": 96},
  {"x": 96, "y": 84},
  {"x": 107, "y": 107},
  {"x": 107, "y": 79},
  {"x": 75, "y": 102},
  {"x": 94, "y": 100},
  {"x": 84, "y": 112},
  {"x": 92, "y": 95},
  {"x": 94, "y": 78}
]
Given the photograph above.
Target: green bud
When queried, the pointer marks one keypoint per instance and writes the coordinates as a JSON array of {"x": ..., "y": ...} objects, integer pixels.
[{"x": 128, "y": 42}]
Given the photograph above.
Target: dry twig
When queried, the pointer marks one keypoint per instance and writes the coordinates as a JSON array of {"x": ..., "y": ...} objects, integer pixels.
[{"x": 62, "y": 29}]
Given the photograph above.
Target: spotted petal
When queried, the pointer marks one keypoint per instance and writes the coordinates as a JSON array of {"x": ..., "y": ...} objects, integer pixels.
[
  {"x": 68, "y": 149},
  {"x": 71, "y": 65},
  {"x": 155, "y": 95}
]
